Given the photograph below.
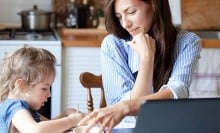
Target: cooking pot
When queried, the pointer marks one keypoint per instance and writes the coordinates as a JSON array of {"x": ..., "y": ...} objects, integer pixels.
[{"x": 35, "y": 19}]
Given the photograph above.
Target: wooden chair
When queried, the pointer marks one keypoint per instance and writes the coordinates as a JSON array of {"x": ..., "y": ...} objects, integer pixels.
[{"x": 92, "y": 81}]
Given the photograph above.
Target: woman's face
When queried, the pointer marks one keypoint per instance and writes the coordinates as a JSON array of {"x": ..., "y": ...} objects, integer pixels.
[
  {"x": 135, "y": 16},
  {"x": 39, "y": 93}
]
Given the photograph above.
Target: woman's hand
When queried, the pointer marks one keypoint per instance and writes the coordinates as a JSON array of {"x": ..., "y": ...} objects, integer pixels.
[
  {"x": 105, "y": 118},
  {"x": 144, "y": 45}
]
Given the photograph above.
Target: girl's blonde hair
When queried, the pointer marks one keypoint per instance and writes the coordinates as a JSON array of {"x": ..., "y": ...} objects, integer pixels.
[{"x": 31, "y": 64}]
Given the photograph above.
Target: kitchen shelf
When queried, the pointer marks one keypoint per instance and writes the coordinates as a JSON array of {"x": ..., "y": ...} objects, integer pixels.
[
  {"x": 210, "y": 43},
  {"x": 82, "y": 37},
  {"x": 93, "y": 38}
]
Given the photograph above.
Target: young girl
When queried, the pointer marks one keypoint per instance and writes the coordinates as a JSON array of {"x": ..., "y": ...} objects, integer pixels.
[{"x": 25, "y": 79}]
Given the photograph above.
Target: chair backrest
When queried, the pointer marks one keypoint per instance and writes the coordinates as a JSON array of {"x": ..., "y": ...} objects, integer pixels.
[{"x": 90, "y": 81}]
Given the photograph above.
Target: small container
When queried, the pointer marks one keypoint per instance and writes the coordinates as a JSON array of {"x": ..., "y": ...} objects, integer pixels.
[
  {"x": 35, "y": 19},
  {"x": 93, "y": 20},
  {"x": 79, "y": 129},
  {"x": 71, "y": 11},
  {"x": 83, "y": 15}
]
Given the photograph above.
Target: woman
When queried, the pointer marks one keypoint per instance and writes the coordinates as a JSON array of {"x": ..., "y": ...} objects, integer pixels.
[{"x": 144, "y": 57}]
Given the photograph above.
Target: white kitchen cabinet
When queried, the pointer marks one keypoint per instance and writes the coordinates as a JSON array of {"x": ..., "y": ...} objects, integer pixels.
[
  {"x": 75, "y": 61},
  {"x": 4, "y": 49}
]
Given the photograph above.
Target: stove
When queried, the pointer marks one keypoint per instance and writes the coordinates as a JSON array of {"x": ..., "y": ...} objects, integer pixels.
[
  {"x": 20, "y": 34},
  {"x": 14, "y": 38}
]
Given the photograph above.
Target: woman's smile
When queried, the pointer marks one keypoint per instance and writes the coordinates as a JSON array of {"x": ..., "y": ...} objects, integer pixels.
[{"x": 136, "y": 31}]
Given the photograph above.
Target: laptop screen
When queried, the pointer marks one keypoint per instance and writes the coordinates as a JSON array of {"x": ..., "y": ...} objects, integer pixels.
[{"x": 200, "y": 115}]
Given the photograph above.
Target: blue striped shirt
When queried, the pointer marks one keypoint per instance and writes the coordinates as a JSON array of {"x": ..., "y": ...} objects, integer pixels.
[{"x": 120, "y": 65}]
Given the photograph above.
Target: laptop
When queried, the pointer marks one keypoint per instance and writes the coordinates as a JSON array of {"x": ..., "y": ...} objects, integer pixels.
[{"x": 200, "y": 115}]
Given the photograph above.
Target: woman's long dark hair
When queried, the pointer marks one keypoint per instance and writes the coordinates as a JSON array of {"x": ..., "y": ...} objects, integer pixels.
[{"x": 162, "y": 30}]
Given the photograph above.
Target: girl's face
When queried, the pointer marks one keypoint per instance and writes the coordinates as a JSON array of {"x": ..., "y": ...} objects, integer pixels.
[
  {"x": 39, "y": 93},
  {"x": 135, "y": 16}
]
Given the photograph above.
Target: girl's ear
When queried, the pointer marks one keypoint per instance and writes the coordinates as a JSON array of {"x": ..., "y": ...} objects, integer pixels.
[{"x": 20, "y": 85}]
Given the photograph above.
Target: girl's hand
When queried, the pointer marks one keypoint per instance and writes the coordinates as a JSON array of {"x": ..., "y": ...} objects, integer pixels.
[
  {"x": 65, "y": 113},
  {"x": 144, "y": 45},
  {"x": 76, "y": 117}
]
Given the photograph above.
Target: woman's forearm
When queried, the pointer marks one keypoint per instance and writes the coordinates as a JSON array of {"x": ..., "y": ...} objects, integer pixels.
[
  {"x": 132, "y": 107},
  {"x": 143, "y": 83},
  {"x": 144, "y": 45}
]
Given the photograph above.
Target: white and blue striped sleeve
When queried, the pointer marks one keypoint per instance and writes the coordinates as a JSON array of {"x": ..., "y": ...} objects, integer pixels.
[{"x": 187, "y": 56}]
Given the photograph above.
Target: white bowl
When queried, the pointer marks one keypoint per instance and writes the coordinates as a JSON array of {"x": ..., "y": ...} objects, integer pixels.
[{"x": 79, "y": 129}]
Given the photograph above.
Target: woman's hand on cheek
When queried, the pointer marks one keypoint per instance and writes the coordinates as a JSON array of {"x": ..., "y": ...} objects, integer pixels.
[{"x": 143, "y": 45}]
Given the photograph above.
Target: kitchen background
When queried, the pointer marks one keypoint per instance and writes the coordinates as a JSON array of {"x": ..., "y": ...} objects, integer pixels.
[
  {"x": 10, "y": 8},
  {"x": 79, "y": 59}
]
